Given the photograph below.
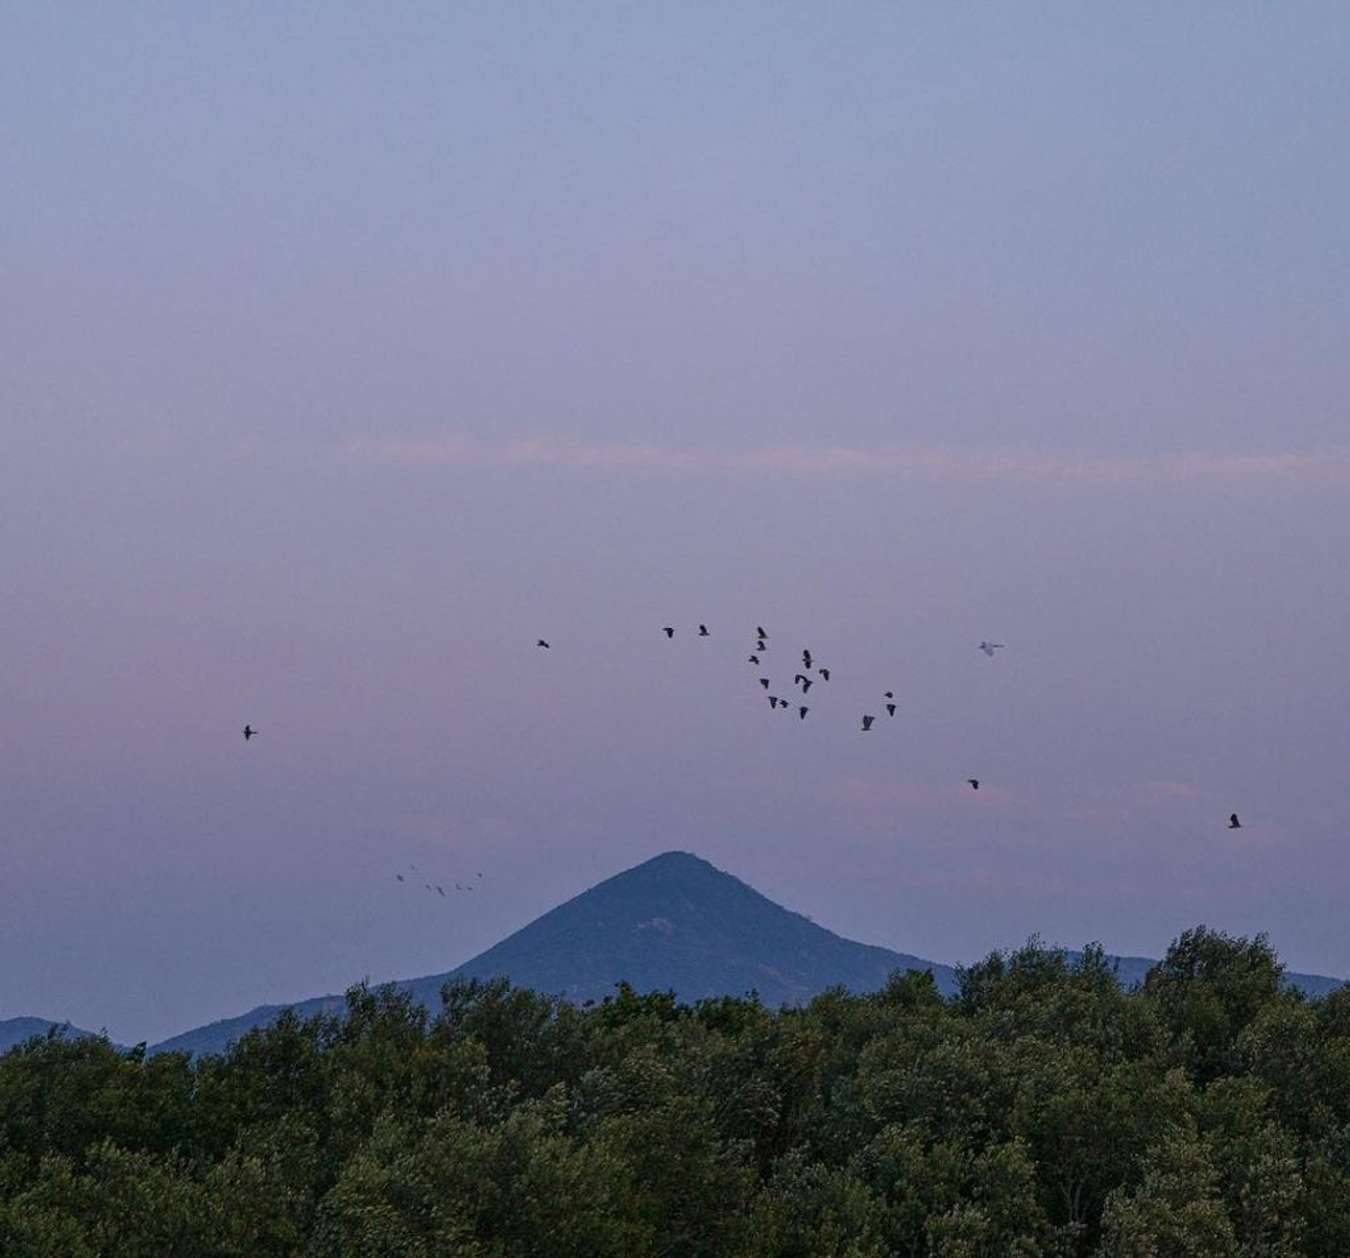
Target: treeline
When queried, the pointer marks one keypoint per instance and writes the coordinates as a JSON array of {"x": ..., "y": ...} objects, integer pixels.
[{"x": 1042, "y": 1110}]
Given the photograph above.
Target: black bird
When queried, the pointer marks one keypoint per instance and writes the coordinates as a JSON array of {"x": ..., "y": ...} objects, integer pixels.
[
  {"x": 480, "y": 875},
  {"x": 867, "y": 723},
  {"x": 807, "y": 657},
  {"x": 759, "y": 632},
  {"x": 764, "y": 681},
  {"x": 773, "y": 701},
  {"x": 440, "y": 890},
  {"x": 798, "y": 679},
  {"x": 890, "y": 694},
  {"x": 754, "y": 659},
  {"x": 890, "y": 709},
  {"x": 399, "y": 877},
  {"x": 543, "y": 644},
  {"x": 668, "y": 631},
  {"x": 974, "y": 783},
  {"x": 806, "y": 684},
  {"x": 703, "y": 631},
  {"x": 802, "y": 711},
  {"x": 990, "y": 647},
  {"x": 1233, "y": 822},
  {"x": 761, "y": 645},
  {"x": 824, "y": 674},
  {"x": 249, "y": 732}
]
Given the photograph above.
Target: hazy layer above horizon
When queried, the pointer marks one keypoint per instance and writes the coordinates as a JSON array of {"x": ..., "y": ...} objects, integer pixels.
[{"x": 347, "y": 353}]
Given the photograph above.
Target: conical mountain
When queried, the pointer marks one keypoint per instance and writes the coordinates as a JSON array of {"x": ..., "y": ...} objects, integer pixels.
[
  {"x": 674, "y": 923},
  {"x": 678, "y": 923}
]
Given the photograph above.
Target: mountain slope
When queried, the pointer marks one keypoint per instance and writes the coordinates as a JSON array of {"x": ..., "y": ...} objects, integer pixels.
[
  {"x": 673, "y": 922},
  {"x": 16, "y": 1030}
]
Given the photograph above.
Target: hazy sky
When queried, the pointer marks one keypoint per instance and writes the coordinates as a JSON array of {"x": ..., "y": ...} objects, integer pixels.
[{"x": 348, "y": 349}]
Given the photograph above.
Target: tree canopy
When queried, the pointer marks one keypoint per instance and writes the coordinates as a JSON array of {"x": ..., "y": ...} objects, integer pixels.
[{"x": 1042, "y": 1110}]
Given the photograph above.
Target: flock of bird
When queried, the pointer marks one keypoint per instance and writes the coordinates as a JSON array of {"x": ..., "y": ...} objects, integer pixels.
[
  {"x": 804, "y": 683},
  {"x": 437, "y": 888},
  {"x": 800, "y": 680}
]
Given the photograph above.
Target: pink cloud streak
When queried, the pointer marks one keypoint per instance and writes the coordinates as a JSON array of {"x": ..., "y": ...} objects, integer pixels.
[{"x": 1329, "y": 469}]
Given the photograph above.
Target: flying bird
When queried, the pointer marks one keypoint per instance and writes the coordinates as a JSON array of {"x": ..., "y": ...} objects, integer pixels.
[
  {"x": 249, "y": 732},
  {"x": 764, "y": 681},
  {"x": 754, "y": 659},
  {"x": 890, "y": 709},
  {"x": 759, "y": 632},
  {"x": 802, "y": 711},
  {"x": 867, "y": 723},
  {"x": 773, "y": 701},
  {"x": 990, "y": 647},
  {"x": 974, "y": 783},
  {"x": 703, "y": 631},
  {"x": 890, "y": 694},
  {"x": 824, "y": 674},
  {"x": 1233, "y": 822},
  {"x": 806, "y": 684},
  {"x": 798, "y": 679},
  {"x": 761, "y": 645},
  {"x": 399, "y": 877},
  {"x": 440, "y": 890},
  {"x": 668, "y": 631},
  {"x": 543, "y": 644}
]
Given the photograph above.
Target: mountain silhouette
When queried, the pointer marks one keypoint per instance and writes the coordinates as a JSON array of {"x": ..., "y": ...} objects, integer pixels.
[
  {"x": 16, "y": 1030},
  {"x": 674, "y": 922}
]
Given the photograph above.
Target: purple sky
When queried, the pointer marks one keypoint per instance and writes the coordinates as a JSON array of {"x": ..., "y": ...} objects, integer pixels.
[{"x": 347, "y": 350}]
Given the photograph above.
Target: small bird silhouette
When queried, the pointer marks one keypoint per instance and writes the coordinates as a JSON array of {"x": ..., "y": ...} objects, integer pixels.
[
  {"x": 867, "y": 723},
  {"x": 249, "y": 732},
  {"x": 761, "y": 645},
  {"x": 824, "y": 674},
  {"x": 440, "y": 890},
  {"x": 773, "y": 701},
  {"x": 990, "y": 647},
  {"x": 668, "y": 631},
  {"x": 890, "y": 694},
  {"x": 807, "y": 657},
  {"x": 764, "y": 681},
  {"x": 890, "y": 709},
  {"x": 806, "y": 684},
  {"x": 1233, "y": 822},
  {"x": 543, "y": 644},
  {"x": 754, "y": 659},
  {"x": 759, "y": 632},
  {"x": 798, "y": 679},
  {"x": 703, "y": 631},
  {"x": 802, "y": 711},
  {"x": 399, "y": 877},
  {"x": 480, "y": 875},
  {"x": 974, "y": 783}
]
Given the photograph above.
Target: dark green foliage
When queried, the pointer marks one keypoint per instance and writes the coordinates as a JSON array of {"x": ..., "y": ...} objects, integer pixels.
[{"x": 1043, "y": 1109}]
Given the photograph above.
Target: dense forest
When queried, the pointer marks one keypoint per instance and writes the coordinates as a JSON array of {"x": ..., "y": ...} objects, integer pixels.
[{"x": 1041, "y": 1110}]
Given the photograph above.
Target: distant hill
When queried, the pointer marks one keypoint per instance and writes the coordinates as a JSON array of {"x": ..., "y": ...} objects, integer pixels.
[
  {"x": 16, "y": 1030},
  {"x": 676, "y": 923}
]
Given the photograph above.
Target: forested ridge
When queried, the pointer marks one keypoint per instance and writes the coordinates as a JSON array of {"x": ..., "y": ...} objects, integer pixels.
[{"x": 1043, "y": 1109}]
